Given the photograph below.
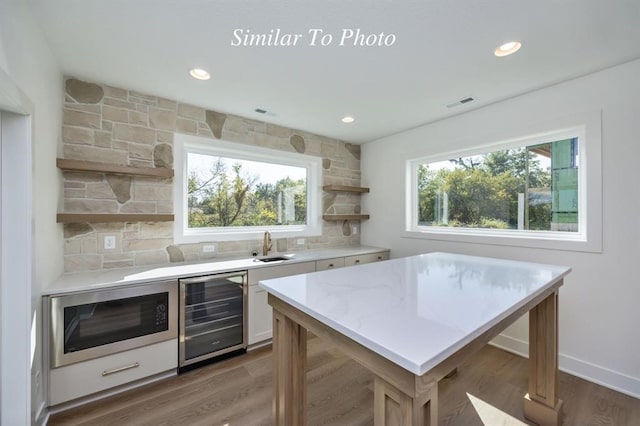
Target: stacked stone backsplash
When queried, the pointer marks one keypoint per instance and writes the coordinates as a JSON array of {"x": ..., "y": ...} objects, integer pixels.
[{"x": 124, "y": 127}]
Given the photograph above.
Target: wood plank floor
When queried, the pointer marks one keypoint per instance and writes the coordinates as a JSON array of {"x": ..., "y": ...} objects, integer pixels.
[{"x": 487, "y": 390}]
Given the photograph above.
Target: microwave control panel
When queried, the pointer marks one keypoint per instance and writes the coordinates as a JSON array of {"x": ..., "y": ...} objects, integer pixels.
[{"x": 161, "y": 314}]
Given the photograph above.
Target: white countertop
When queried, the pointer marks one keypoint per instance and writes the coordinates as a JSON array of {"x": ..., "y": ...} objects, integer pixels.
[
  {"x": 417, "y": 311},
  {"x": 85, "y": 281}
]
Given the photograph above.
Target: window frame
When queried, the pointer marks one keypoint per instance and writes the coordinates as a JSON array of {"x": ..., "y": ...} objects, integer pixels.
[
  {"x": 185, "y": 144},
  {"x": 589, "y": 235}
]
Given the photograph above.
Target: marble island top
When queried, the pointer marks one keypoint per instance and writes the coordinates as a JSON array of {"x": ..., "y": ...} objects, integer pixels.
[{"x": 419, "y": 310}]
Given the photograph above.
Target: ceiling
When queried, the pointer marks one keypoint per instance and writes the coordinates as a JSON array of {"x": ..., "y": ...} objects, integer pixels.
[{"x": 443, "y": 52}]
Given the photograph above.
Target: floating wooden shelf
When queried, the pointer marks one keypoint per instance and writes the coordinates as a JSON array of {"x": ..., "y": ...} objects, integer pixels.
[
  {"x": 344, "y": 188},
  {"x": 94, "y": 166},
  {"x": 336, "y": 217},
  {"x": 112, "y": 217}
]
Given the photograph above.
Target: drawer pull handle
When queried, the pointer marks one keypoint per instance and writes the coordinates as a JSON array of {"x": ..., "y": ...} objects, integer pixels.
[
  {"x": 379, "y": 257},
  {"x": 117, "y": 370},
  {"x": 331, "y": 265},
  {"x": 357, "y": 261}
]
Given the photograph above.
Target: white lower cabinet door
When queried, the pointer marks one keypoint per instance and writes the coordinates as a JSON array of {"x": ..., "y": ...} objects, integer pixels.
[
  {"x": 260, "y": 315},
  {"x": 87, "y": 377}
]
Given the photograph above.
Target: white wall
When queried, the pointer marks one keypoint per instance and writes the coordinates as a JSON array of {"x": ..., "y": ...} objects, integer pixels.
[
  {"x": 599, "y": 303},
  {"x": 28, "y": 65},
  {"x": 16, "y": 267}
]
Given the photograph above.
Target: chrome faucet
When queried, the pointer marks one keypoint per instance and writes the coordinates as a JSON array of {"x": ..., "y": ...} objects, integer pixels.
[{"x": 266, "y": 243}]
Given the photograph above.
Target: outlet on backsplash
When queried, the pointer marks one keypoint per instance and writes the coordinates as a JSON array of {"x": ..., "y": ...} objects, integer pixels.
[
  {"x": 109, "y": 242},
  {"x": 209, "y": 248}
]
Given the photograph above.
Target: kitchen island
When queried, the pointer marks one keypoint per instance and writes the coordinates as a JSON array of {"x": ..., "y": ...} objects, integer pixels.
[{"x": 411, "y": 321}]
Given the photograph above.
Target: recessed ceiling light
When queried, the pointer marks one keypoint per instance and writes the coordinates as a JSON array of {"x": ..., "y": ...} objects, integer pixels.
[
  {"x": 348, "y": 119},
  {"x": 507, "y": 48},
  {"x": 199, "y": 74}
]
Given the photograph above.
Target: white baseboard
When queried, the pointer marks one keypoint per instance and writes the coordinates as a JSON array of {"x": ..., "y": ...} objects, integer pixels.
[
  {"x": 603, "y": 376},
  {"x": 594, "y": 373},
  {"x": 510, "y": 344},
  {"x": 259, "y": 345}
]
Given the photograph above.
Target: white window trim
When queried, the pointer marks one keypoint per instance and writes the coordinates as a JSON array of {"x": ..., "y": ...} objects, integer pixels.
[
  {"x": 188, "y": 143},
  {"x": 589, "y": 236}
]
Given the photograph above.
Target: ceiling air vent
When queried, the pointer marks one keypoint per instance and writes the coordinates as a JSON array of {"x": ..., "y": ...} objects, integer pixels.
[
  {"x": 265, "y": 112},
  {"x": 460, "y": 102}
]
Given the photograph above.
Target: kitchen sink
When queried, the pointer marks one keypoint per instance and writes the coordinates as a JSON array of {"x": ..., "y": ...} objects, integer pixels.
[{"x": 273, "y": 259}]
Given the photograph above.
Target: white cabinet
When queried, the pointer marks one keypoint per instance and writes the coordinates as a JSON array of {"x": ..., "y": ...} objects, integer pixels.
[
  {"x": 366, "y": 258},
  {"x": 87, "y": 377},
  {"x": 323, "y": 265},
  {"x": 260, "y": 316}
]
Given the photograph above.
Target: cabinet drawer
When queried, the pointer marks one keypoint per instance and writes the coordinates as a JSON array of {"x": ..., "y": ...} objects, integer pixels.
[
  {"x": 323, "y": 265},
  {"x": 84, "y": 378},
  {"x": 366, "y": 258}
]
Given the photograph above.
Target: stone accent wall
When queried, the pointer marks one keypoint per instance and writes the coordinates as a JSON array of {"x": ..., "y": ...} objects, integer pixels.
[{"x": 119, "y": 126}]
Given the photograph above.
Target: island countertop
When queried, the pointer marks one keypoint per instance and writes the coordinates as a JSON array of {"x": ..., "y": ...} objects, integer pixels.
[{"x": 419, "y": 310}]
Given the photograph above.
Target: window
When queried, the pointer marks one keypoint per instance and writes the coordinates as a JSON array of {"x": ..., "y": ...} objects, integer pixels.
[
  {"x": 526, "y": 188},
  {"x": 228, "y": 191},
  {"x": 529, "y": 192}
]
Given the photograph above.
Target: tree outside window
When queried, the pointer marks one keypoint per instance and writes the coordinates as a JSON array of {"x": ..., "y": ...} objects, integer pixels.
[
  {"x": 231, "y": 192},
  {"x": 527, "y": 188}
]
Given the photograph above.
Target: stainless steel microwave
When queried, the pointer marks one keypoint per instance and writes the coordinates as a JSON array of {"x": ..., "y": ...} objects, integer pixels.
[{"x": 92, "y": 324}]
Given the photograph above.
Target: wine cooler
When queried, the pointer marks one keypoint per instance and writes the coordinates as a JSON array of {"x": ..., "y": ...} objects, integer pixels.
[{"x": 213, "y": 316}]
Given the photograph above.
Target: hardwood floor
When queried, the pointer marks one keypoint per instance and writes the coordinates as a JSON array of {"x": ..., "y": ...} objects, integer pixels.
[{"x": 487, "y": 390}]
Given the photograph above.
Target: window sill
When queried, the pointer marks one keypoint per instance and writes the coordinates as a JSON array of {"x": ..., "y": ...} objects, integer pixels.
[{"x": 525, "y": 239}]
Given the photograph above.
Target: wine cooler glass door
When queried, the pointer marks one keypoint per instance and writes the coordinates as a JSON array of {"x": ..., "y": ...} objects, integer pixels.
[{"x": 213, "y": 316}]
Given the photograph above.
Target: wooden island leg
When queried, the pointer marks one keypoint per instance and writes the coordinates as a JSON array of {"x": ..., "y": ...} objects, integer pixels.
[
  {"x": 393, "y": 407},
  {"x": 289, "y": 371},
  {"x": 541, "y": 404}
]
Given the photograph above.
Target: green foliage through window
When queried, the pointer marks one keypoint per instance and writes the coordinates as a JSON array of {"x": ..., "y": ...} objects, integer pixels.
[
  {"x": 528, "y": 188},
  {"x": 228, "y": 192}
]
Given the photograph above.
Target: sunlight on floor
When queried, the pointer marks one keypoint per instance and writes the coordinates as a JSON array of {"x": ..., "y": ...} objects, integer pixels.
[{"x": 490, "y": 415}]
